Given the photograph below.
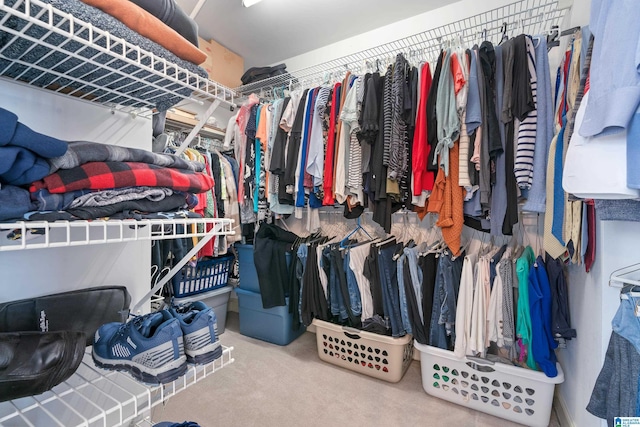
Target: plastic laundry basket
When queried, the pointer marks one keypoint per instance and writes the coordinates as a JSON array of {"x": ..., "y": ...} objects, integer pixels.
[
  {"x": 510, "y": 392},
  {"x": 371, "y": 354},
  {"x": 205, "y": 276}
]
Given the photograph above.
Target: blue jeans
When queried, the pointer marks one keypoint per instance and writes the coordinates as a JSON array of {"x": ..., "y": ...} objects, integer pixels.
[
  {"x": 404, "y": 312},
  {"x": 303, "y": 251},
  {"x": 338, "y": 306},
  {"x": 416, "y": 277},
  {"x": 354, "y": 292},
  {"x": 390, "y": 293},
  {"x": 445, "y": 295},
  {"x": 625, "y": 323}
]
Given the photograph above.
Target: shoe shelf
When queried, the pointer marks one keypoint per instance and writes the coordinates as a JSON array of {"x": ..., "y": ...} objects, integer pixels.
[
  {"x": 94, "y": 397},
  {"x": 92, "y": 64},
  {"x": 42, "y": 234}
]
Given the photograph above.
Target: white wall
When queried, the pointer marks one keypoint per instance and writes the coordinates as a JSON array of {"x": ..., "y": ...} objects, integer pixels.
[{"x": 25, "y": 274}]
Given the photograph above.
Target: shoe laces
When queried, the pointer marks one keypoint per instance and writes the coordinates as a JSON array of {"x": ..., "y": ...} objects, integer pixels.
[{"x": 122, "y": 329}]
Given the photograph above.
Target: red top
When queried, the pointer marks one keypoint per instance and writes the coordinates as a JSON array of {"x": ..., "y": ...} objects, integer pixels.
[
  {"x": 422, "y": 178},
  {"x": 328, "y": 161}
]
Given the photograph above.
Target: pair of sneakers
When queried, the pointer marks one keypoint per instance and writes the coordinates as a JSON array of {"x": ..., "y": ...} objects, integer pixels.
[{"x": 155, "y": 348}]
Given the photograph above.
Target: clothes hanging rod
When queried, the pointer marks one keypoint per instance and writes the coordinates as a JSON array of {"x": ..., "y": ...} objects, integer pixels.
[{"x": 528, "y": 16}]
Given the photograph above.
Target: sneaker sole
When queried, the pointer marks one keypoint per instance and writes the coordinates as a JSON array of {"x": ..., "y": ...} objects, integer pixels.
[
  {"x": 205, "y": 355},
  {"x": 139, "y": 373}
]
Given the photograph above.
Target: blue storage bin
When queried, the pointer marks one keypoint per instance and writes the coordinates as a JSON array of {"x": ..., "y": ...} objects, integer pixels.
[
  {"x": 272, "y": 324},
  {"x": 248, "y": 274},
  {"x": 205, "y": 276}
]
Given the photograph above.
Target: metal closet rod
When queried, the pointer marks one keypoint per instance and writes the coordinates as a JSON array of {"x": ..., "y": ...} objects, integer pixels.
[{"x": 531, "y": 16}]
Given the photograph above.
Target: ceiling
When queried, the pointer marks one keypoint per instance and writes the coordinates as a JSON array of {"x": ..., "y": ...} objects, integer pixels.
[{"x": 274, "y": 30}]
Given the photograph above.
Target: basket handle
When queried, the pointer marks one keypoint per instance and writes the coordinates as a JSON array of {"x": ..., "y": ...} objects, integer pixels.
[
  {"x": 353, "y": 333},
  {"x": 479, "y": 364}
]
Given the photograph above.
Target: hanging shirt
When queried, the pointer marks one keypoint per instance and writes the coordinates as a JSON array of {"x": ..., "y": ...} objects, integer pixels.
[
  {"x": 523, "y": 320},
  {"x": 473, "y": 118},
  {"x": 478, "y": 335},
  {"x": 464, "y": 307},
  {"x": 536, "y": 199},
  {"x": 302, "y": 153},
  {"x": 344, "y": 137},
  {"x": 351, "y": 146},
  {"x": 423, "y": 179},
  {"x": 523, "y": 168},
  {"x": 330, "y": 151},
  {"x": 448, "y": 120},
  {"x": 242, "y": 119},
  {"x": 315, "y": 158},
  {"x": 543, "y": 344},
  {"x": 615, "y": 80}
]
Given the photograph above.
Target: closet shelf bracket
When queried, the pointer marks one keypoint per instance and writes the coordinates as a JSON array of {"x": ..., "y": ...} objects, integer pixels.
[
  {"x": 196, "y": 129},
  {"x": 216, "y": 230}
]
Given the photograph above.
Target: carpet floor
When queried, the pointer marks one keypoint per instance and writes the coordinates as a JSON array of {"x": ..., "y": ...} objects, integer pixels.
[{"x": 270, "y": 385}]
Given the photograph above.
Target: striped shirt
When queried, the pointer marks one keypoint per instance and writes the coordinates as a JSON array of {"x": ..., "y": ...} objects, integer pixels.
[
  {"x": 523, "y": 167},
  {"x": 387, "y": 110},
  {"x": 398, "y": 148}
]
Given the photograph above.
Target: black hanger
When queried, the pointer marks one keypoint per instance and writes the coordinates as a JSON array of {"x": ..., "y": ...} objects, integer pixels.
[
  {"x": 503, "y": 30},
  {"x": 553, "y": 38}
]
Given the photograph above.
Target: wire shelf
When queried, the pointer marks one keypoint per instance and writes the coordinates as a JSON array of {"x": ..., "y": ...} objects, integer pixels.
[
  {"x": 43, "y": 235},
  {"x": 44, "y": 47},
  {"x": 96, "y": 397},
  {"x": 525, "y": 16}
]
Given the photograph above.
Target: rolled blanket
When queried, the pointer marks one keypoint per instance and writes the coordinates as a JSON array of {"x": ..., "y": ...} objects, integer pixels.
[
  {"x": 81, "y": 152},
  {"x": 147, "y": 25},
  {"x": 118, "y": 195},
  {"x": 106, "y": 175},
  {"x": 169, "y": 203}
]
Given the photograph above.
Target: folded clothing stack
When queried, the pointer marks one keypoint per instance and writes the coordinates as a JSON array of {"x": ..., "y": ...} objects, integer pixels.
[{"x": 88, "y": 180}]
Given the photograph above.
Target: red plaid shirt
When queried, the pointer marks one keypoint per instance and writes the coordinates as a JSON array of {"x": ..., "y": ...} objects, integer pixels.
[{"x": 106, "y": 175}]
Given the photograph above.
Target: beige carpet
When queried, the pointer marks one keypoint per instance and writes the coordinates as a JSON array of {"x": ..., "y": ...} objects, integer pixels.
[{"x": 269, "y": 385}]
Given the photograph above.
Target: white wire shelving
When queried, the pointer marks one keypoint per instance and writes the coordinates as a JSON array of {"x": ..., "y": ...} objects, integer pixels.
[
  {"x": 94, "y": 397},
  {"x": 25, "y": 235},
  {"x": 524, "y": 16},
  {"x": 44, "y": 47}
]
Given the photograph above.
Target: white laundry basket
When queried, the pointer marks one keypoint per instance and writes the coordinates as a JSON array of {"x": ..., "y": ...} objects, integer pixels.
[
  {"x": 378, "y": 356},
  {"x": 510, "y": 392}
]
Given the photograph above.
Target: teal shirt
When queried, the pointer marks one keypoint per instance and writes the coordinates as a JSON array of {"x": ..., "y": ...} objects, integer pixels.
[{"x": 523, "y": 318}]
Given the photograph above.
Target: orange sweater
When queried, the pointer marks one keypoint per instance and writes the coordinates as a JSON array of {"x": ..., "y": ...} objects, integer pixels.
[{"x": 447, "y": 201}]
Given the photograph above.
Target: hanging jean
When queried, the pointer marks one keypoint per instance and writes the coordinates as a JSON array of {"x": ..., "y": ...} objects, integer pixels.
[
  {"x": 344, "y": 301},
  {"x": 354, "y": 292},
  {"x": 404, "y": 312},
  {"x": 445, "y": 295},
  {"x": 390, "y": 293},
  {"x": 303, "y": 251},
  {"x": 332, "y": 287},
  {"x": 416, "y": 276}
]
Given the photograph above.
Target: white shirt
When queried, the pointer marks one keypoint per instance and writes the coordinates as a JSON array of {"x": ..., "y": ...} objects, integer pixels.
[{"x": 464, "y": 306}]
